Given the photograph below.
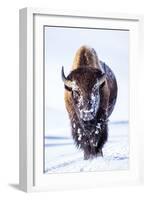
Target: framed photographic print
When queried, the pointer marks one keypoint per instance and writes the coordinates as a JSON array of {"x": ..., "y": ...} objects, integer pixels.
[{"x": 79, "y": 99}]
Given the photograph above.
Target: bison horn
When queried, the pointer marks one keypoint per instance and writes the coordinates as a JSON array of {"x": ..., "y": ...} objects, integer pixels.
[
  {"x": 67, "y": 82},
  {"x": 102, "y": 79}
]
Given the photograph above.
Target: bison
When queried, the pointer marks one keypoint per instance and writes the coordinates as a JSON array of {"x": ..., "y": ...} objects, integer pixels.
[{"x": 90, "y": 97}]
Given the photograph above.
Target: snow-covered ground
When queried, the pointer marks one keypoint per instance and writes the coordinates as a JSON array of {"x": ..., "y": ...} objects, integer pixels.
[{"x": 61, "y": 155}]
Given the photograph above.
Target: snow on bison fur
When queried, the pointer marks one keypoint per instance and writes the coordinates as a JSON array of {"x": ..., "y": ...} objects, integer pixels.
[{"x": 90, "y": 97}]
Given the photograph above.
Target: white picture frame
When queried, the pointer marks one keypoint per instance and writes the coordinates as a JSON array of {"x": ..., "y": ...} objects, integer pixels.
[{"x": 31, "y": 90}]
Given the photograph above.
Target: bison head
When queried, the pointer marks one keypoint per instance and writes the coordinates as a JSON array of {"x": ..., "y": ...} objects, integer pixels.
[{"x": 84, "y": 84}]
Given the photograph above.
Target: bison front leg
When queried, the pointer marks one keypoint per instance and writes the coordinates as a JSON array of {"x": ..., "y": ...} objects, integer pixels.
[
  {"x": 86, "y": 155},
  {"x": 87, "y": 152},
  {"x": 103, "y": 138},
  {"x": 86, "y": 149}
]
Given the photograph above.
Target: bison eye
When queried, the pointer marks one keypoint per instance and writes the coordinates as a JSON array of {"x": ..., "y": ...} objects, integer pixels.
[{"x": 76, "y": 93}]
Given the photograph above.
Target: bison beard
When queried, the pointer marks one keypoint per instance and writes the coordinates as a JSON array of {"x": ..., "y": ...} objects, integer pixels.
[
  {"x": 90, "y": 96},
  {"x": 91, "y": 139}
]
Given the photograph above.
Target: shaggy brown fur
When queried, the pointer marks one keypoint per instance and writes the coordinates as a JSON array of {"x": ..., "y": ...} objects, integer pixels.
[
  {"x": 86, "y": 70},
  {"x": 85, "y": 56}
]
